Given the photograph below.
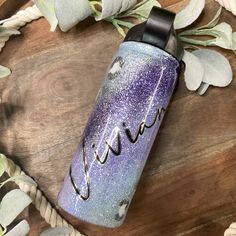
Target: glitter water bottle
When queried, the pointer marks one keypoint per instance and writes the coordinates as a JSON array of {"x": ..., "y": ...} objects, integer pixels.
[{"x": 123, "y": 125}]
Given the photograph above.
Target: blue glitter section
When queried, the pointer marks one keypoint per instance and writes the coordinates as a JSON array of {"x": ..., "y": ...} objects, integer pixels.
[{"x": 143, "y": 83}]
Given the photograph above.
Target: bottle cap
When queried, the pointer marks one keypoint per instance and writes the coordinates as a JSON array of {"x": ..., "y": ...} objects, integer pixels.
[{"x": 158, "y": 31}]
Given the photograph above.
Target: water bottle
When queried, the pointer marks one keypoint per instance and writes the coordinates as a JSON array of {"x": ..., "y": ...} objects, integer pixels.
[{"x": 122, "y": 127}]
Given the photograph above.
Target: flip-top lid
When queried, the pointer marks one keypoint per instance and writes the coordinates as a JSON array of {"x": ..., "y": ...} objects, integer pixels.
[{"x": 158, "y": 31}]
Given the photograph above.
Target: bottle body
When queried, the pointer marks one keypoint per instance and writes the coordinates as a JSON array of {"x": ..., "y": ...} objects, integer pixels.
[{"x": 119, "y": 135}]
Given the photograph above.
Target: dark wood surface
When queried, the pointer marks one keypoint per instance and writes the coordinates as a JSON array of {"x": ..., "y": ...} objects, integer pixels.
[{"x": 188, "y": 186}]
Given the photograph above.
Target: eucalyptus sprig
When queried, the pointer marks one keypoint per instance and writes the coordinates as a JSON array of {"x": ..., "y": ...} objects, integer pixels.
[
  {"x": 4, "y": 71},
  {"x": 139, "y": 12},
  {"x": 15, "y": 201},
  {"x": 213, "y": 69},
  {"x": 6, "y": 32},
  {"x": 220, "y": 35},
  {"x": 126, "y": 13},
  {"x": 12, "y": 204},
  {"x": 66, "y": 14}
]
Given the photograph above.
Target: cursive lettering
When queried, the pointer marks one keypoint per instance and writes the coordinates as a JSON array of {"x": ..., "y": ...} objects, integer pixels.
[{"x": 109, "y": 148}]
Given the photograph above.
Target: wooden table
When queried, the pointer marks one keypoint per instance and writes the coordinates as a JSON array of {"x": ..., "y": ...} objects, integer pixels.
[{"x": 189, "y": 184}]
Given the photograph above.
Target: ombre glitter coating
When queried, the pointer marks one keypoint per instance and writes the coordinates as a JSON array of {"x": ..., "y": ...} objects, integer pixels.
[{"x": 119, "y": 134}]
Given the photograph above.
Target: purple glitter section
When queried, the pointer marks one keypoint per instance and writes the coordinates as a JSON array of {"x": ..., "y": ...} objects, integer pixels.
[{"x": 140, "y": 81}]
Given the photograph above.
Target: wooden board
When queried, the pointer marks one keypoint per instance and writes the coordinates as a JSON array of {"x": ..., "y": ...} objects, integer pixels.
[{"x": 189, "y": 184}]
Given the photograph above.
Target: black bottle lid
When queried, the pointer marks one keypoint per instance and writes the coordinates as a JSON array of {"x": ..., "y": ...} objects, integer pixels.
[{"x": 159, "y": 31}]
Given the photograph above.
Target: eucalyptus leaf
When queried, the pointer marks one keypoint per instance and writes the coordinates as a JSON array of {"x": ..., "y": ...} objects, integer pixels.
[
  {"x": 12, "y": 204},
  {"x": 214, "y": 21},
  {"x": 233, "y": 6},
  {"x": 203, "y": 88},
  {"x": 117, "y": 23},
  {"x": 192, "y": 64},
  {"x": 208, "y": 26},
  {"x": 218, "y": 71},
  {"x": 230, "y": 232},
  {"x": 4, "y": 72},
  {"x": 22, "y": 178},
  {"x": 111, "y": 8},
  {"x": 47, "y": 9},
  {"x": 6, "y": 32},
  {"x": 234, "y": 40},
  {"x": 189, "y": 14},
  {"x": 142, "y": 9},
  {"x": 21, "y": 229},
  {"x": 3, "y": 164},
  {"x": 223, "y": 35},
  {"x": 71, "y": 12},
  {"x": 229, "y": 5},
  {"x": 57, "y": 231}
]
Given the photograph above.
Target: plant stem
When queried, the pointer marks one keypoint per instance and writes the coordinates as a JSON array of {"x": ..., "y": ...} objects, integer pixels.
[
  {"x": 194, "y": 41},
  {"x": 93, "y": 6},
  {"x": 114, "y": 22},
  {"x": 203, "y": 32},
  {"x": 124, "y": 23}
]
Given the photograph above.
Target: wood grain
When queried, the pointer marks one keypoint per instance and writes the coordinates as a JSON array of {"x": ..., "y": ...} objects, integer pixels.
[
  {"x": 188, "y": 186},
  {"x": 9, "y": 7}
]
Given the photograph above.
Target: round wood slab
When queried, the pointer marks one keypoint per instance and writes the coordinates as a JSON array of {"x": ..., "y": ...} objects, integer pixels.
[{"x": 189, "y": 184}]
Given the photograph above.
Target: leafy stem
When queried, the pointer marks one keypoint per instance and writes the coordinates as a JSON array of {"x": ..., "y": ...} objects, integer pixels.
[
  {"x": 118, "y": 23},
  {"x": 123, "y": 23},
  {"x": 203, "y": 32},
  {"x": 195, "y": 41}
]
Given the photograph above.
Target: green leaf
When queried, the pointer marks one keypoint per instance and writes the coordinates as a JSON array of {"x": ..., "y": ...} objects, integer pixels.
[
  {"x": 194, "y": 41},
  {"x": 118, "y": 23},
  {"x": 223, "y": 35},
  {"x": 146, "y": 5},
  {"x": 96, "y": 12},
  {"x": 203, "y": 88},
  {"x": 230, "y": 231},
  {"x": 189, "y": 14},
  {"x": 218, "y": 71},
  {"x": 229, "y": 5},
  {"x": 111, "y": 8},
  {"x": 13, "y": 203},
  {"x": 21, "y": 229},
  {"x": 46, "y": 7},
  {"x": 214, "y": 21},
  {"x": 20, "y": 179},
  {"x": 71, "y": 12},
  {"x": 142, "y": 9},
  {"x": 57, "y": 231},
  {"x": 209, "y": 25},
  {"x": 4, "y": 72},
  {"x": 119, "y": 29},
  {"x": 6, "y": 32},
  {"x": 234, "y": 41},
  {"x": 192, "y": 79},
  {"x": 3, "y": 164}
]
